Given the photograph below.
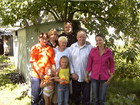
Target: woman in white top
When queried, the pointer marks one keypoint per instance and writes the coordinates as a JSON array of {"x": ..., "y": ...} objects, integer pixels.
[{"x": 62, "y": 50}]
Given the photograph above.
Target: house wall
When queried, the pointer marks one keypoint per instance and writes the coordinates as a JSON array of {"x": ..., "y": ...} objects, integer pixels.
[
  {"x": 20, "y": 52},
  {"x": 23, "y": 42}
]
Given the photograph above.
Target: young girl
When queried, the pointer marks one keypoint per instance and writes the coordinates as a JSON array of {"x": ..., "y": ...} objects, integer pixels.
[
  {"x": 48, "y": 85},
  {"x": 63, "y": 86}
]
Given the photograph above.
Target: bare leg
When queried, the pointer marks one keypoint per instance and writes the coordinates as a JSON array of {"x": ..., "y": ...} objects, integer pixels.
[{"x": 47, "y": 100}]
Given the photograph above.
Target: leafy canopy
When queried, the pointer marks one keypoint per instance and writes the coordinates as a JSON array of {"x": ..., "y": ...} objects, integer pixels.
[{"x": 96, "y": 16}]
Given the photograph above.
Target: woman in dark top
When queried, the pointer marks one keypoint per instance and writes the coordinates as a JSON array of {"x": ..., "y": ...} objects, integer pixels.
[{"x": 53, "y": 38}]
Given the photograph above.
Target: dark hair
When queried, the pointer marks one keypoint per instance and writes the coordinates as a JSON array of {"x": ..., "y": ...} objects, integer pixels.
[
  {"x": 68, "y": 22},
  {"x": 100, "y": 35},
  {"x": 65, "y": 57},
  {"x": 43, "y": 35}
]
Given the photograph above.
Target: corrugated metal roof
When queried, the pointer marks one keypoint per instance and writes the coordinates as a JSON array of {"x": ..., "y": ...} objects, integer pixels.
[{"x": 5, "y": 33}]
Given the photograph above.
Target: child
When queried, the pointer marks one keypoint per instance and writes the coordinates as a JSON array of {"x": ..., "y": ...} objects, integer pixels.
[
  {"x": 63, "y": 86},
  {"x": 48, "y": 85}
]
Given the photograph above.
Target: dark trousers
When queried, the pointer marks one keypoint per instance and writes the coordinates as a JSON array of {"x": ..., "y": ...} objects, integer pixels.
[
  {"x": 81, "y": 92},
  {"x": 35, "y": 90},
  {"x": 99, "y": 90}
]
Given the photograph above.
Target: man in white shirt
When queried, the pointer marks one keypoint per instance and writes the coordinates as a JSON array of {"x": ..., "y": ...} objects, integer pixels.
[{"x": 79, "y": 52}]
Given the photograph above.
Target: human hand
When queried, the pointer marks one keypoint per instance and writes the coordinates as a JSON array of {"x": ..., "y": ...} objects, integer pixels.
[
  {"x": 87, "y": 79},
  {"x": 63, "y": 81},
  {"x": 107, "y": 82},
  {"x": 74, "y": 76},
  {"x": 41, "y": 76}
]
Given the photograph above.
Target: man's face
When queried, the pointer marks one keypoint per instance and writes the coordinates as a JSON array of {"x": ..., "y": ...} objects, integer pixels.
[{"x": 81, "y": 37}]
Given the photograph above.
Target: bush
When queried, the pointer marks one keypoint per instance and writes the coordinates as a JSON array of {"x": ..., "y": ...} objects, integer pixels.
[{"x": 118, "y": 99}]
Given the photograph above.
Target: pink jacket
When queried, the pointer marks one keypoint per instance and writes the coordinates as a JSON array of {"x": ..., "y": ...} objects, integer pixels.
[{"x": 100, "y": 65}]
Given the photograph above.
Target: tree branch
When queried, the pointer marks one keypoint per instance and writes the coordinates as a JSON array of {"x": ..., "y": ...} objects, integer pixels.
[
  {"x": 66, "y": 11},
  {"x": 55, "y": 12}
]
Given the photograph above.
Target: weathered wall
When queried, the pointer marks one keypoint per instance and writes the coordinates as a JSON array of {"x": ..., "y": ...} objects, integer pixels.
[{"x": 23, "y": 42}]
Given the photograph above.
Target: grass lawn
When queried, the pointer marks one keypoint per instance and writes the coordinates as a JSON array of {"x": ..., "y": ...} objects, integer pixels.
[{"x": 12, "y": 92}]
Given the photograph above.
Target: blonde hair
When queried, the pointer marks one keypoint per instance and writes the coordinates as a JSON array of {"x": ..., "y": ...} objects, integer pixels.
[
  {"x": 62, "y": 38},
  {"x": 52, "y": 30}
]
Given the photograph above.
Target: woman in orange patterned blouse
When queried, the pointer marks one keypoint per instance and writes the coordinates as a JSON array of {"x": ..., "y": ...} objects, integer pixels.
[{"x": 41, "y": 57}]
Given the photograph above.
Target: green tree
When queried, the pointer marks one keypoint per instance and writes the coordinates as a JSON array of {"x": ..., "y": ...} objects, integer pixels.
[{"x": 97, "y": 16}]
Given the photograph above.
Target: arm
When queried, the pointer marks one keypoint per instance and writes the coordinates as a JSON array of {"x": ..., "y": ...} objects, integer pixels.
[
  {"x": 34, "y": 59},
  {"x": 89, "y": 66},
  {"x": 37, "y": 70},
  {"x": 111, "y": 68},
  {"x": 90, "y": 61},
  {"x": 72, "y": 72},
  {"x": 44, "y": 83},
  {"x": 87, "y": 77},
  {"x": 57, "y": 77}
]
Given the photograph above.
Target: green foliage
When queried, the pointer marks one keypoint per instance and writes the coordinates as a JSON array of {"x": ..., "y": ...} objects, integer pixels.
[
  {"x": 3, "y": 59},
  {"x": 128, "y": 70},
  {"x": 127, "y": 63},
  {"x": 96, "y": 16},
  {"x": 124, "y": 91},
  {"x": 118, "y": 99}
]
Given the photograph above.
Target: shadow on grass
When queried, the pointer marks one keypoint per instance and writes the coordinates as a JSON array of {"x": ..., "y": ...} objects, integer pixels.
[{"x": 10, "y": 76}]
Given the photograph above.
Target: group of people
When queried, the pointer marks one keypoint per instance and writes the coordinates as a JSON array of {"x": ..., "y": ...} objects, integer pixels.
[{"x": 66, "y": 63}]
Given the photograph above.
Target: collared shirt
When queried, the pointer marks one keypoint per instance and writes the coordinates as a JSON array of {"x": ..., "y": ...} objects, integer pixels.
[
  {"x": 43, "y": 56},
  {"x": 71, "y": 38},
  {"x": 78, "y": 60},
  {"x": 100, "y": 65},
  {"x": 59, "y": 54}
]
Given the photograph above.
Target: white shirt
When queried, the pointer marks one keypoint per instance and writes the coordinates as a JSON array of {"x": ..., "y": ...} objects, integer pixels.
[
  {"x": 59, "y": 54},
  {"x": 78, "y": 59}
]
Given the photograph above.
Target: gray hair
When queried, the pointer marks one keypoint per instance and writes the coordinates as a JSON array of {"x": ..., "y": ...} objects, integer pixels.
[{"x": 62, "y": 38}]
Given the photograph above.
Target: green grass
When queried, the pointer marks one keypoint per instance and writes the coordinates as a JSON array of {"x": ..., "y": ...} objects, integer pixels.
[{"x": 11, "y": 93}]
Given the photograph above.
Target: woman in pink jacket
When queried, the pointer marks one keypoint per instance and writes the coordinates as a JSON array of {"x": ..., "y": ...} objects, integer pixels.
[{"x": 101, "y": 65}]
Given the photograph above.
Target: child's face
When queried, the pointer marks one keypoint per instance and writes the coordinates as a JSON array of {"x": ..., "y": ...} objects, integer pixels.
[
  {"x": 48, "y": 71},
  {"x": 64, "y": 63},
  {"x": 67, "y": 28}
]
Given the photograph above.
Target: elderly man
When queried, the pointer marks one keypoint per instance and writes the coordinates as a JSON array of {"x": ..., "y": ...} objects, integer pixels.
[{"x": 79, "y": 52}]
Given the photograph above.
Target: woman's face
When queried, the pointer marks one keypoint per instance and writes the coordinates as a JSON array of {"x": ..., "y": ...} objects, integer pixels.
[
  {"x": 99, "y": 41},
  {"x": 53, "y": 36},
  {"x": 67, "y": 28},
  {"x": 43, "y": 41},
  {"x": 62, "y": 44}
]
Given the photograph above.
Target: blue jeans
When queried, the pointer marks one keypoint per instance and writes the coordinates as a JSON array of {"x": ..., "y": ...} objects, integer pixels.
[
  {"x": 35, "y": 90},
  {"x": 99, "y": 89},
  {"x": 63, "y": 94}
]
